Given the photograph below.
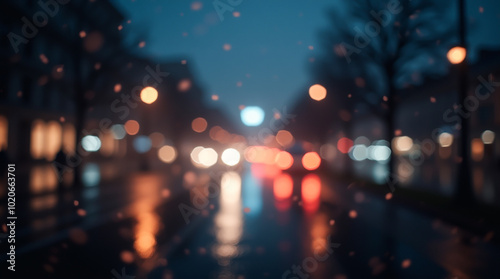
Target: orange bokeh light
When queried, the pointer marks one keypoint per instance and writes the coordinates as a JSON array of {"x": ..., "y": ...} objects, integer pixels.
[
  {"x": 477, "y": 149},
  {"x": 284, "y": 138},
  {"x": 184, "y": 85},
  {"x": 196, "y": 6},
  {"x": 317, "y": 92},
  {"x": 252, "y": 154},
  {"x": 117, "y": 88},
  {"x": 261, "y": 155},
  {"x": 311, "y": 161},
  {"x": 353, "y": 214},
  {"x": 199, "y": 125},
  {"x": 284, "y": 160},
  {"x": 311, "y": 191},
  {"x": 222, "y": 136},
  {"x": 132, "y": 127},
  {"x": 149, "y": 95},
  {"x": 213, "y": 132},
  {"x": 283, "y": 187},
  {"x": 167, "y": 154},
  {"x": 457, "y": 55}
]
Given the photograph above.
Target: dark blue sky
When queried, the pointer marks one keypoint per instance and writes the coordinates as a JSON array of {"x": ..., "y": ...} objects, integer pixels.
[{"x": 270, "y": 43}]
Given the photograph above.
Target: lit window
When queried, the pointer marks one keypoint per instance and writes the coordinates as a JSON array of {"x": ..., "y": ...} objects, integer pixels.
[
  {"x": 37, "y": 137},
  {"x": 52, "y": 140},
  {"x": 69, "y": 138},
  {"x": 46, "y": 139},
  {"x": 4, "y": 132}
]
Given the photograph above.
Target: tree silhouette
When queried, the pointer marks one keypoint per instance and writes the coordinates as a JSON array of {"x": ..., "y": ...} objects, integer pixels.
[{"x": 384, "y": 46}]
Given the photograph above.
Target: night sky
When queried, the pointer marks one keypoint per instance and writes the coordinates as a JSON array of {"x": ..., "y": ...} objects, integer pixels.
[{"x": 271, "y": 44}]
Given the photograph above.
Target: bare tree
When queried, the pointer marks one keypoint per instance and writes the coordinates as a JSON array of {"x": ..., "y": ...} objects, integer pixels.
[{"x": 384, "y": 46}]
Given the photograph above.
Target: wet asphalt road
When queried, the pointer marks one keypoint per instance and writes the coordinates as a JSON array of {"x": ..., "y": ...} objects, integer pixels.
[{"x": 249, "y": 226}]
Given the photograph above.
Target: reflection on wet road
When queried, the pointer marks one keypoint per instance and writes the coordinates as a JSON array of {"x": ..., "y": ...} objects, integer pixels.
[
  {"x": 310, "y": 227},
  {"x": 257, "y": 224}
]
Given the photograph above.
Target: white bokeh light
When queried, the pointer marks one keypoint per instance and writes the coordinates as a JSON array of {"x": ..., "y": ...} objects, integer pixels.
[
  {"x": 252, "y": 116},
  {"x": 91, "y": 143},
  {"x": 231, "y": 157},
  {"x": 208, "y": 157}
]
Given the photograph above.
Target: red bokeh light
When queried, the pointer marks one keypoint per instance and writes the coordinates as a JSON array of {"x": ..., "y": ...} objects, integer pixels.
[
  {"x": 283, "y": 187},
  {"x": 344, "y": 144}
]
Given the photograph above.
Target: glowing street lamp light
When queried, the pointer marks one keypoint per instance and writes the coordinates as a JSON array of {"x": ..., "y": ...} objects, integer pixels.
[
  {"x": 252, "y": 116},
  {"x": 231, "y": 157},
  {"x": 149, "y": 95},
  {"x": 456, "y": 55},
  {"x": 317, "y": 92}
]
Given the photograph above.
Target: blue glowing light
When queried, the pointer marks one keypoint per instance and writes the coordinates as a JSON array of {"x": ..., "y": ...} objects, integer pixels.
[
  {"x": 252, "y": 116},
  {"x": 142, "y": 144},
  {"x": 118, "y": 131},
  {"x": 91, "y": 175},
  {"x": 91, "y": 143}
]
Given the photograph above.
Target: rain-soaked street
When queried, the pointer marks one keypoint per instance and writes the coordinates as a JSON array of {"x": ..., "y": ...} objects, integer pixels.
[
  {"x": 236, "y": 139},
  {"x": 290, "y": 226}
]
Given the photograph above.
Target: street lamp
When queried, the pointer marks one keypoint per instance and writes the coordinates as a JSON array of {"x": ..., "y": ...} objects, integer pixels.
[
  {"x": 457, "y": 55},
  {"x": 317, "y": 92},
  {"x": 149, "y": 95}
]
